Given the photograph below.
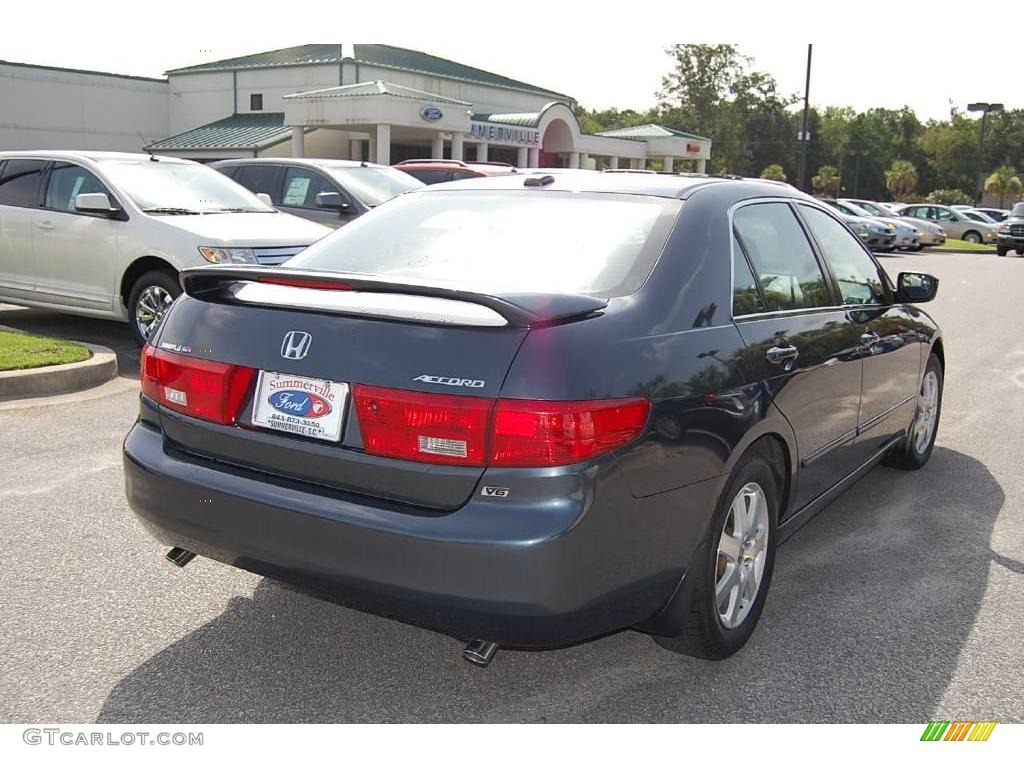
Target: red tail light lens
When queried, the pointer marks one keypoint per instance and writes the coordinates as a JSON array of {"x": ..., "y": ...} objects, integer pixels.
[
  {"x": 541, "y": 433},
  {"x": 205, "y": 389},
  {"x": 476, "y": 431},
  {"x": 438, "y": 429}
]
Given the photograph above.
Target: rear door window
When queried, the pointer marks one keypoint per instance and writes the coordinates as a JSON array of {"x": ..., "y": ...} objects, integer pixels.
[
  {"x": 19, "y": 184},
  {"x": 67, "y": 182},
  {"x": 431, "y": 175},
  {"x": 746, "y": 296},
  {"x": 787, "y": 269},
  {"x": 262, "y": 178}
]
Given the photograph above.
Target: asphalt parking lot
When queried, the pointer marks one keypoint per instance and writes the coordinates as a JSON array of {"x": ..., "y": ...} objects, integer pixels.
[{"x": 901, "y": 602}]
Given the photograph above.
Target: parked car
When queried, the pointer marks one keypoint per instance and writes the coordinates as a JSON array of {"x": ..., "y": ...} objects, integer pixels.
[
  {"x": 907, "y": 235},
  {"x": 927, "y": 232},
  {"x": 531, "y": 411},
  {"x": 996, "y": 214},
  {"x": 1011, "y": 232},
  {"x": 976, "y": 215},
  {"x": 438, "y": 171},
  {"x": 329, "y": 192},
  {"x": 105, "y": 234},
  {"x": 876, "y": 235},
  {"x": 954, "y": 222}
]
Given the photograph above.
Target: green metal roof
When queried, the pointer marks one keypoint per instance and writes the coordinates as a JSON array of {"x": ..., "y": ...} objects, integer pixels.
[
  {"x": 376, "y": 88},
  {"x": 650, "y": 131},
  {"x": 523, "y": 119},
  {"x": 245, "y": 131},
  {"x": 387, "y": 56}
]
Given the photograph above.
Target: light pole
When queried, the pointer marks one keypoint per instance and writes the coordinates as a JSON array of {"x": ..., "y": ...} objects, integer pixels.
[
  {"x": 984, "y": 107},
  {"x": 856, "y": 167},
  {"x": 804, "y": 136}
]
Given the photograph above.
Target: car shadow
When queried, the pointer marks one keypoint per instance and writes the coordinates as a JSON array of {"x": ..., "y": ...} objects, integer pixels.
[
  {"x": 871, "y": 604},
  {"x": 109, "y": 333}
]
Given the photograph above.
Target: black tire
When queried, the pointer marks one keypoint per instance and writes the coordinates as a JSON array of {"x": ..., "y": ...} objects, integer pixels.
[
  {"x": 705, "y": 635},
  {"x": 908, "y": 455},
  {"x": 1001, "y": 251},
  {"x": 917, "y": 248},
  {"x": 972, "y": 237},
  {"x": 157, "y": 280}
]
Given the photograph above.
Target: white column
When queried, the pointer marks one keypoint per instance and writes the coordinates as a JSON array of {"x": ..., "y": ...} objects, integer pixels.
[
  {"x": 702, "y": 165},
  {"x": 574, "y": 159},
  {"x": 613, "y": 162},
  {"x": 669, "y": 164},
  {"x": 534, "y": 161},
  {"x": 383, "y": 156},
  {"x": 523, "y": 157},
  {"x": 636, "y": 163},
  {"x": 437, "y": 146},
  {"x": 481, "y": 152},
  {"x": 457, "y": 145},
  {"x": 298, "y": 141},
  {"x": 584, "y": 160},
  {"x": 355, "y": 150}
]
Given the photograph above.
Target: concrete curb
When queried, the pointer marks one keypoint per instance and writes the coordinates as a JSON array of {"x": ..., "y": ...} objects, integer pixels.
[{"x": 58, "y": 379}]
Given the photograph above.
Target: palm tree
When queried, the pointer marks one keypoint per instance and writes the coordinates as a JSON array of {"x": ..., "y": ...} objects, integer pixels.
[
  {"x": 901, "y": 179},
  {"x": 774, "y": 172},
  {"x": 1003, "y": 182},
  {"x": 826, "y": 183}
]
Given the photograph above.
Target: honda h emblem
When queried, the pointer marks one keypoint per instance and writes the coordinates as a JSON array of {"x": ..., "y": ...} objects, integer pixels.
[{"x": 295, "y": 345}]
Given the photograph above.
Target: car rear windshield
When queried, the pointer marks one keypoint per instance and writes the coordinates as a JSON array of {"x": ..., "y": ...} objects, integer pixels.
[{"x": 505, "y": 241}]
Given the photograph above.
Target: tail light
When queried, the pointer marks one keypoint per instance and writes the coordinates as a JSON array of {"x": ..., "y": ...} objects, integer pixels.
[
  {"x": 542, "y": 433},
  {"x": 205, "y": 389},
  {"x": 440, "y": 429},
  {"x": 476, "y": 431}
]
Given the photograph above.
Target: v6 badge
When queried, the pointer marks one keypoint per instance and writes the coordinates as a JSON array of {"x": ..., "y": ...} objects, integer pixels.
[{"x": 494, "y": 492}]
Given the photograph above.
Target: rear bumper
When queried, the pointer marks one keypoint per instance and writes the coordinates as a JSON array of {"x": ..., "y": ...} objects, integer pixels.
[{"x": 578, "y": 563}]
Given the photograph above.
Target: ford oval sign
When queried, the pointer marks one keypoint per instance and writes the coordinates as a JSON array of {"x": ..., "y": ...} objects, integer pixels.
[
  {"x": 298, "y": 403},
  {"x": 431, "y": 113}
]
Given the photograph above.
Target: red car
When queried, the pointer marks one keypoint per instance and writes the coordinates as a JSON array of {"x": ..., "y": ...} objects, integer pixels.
[{"x": 436, "y": 171}]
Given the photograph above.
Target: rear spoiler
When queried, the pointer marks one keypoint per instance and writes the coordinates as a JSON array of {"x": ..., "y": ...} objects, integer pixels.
[{"x": 521, "y": 310}]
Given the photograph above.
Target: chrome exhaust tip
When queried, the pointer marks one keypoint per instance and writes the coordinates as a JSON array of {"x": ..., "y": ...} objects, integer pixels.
[
  {"x": 479, "y": 652},
  {"x": 180, "y": 557}
]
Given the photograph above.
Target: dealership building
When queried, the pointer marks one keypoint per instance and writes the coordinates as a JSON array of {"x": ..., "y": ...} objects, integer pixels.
[{"x": 363, "y": 102}]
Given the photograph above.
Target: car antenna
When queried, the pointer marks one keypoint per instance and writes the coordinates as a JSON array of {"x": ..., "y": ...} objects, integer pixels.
[{"x": 152, "y": 157}]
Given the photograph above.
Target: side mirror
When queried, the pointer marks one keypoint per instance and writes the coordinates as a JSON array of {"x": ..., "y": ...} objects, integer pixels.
[
  {"x": 264, "y": 198},
  {"x": 93, "y": 202},
  {"x": 916, "y": 287},
  {"x": 332, "y": 200}
]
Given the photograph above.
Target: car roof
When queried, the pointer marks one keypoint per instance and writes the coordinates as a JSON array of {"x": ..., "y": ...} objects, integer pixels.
[
  {"x": 482, "y": 167},
  {"x": 96, "y": 157},
  {"x": 309, "y": 162},
  {"x": 658, "y": 185}
]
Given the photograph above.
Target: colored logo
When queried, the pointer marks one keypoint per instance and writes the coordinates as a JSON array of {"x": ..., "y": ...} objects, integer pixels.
[
  {"x": 295, "y": 402},
  {"x": 958, "y": 730},
  {"x": 431, "y": 113},
  {"x": 295, "y": 345}
]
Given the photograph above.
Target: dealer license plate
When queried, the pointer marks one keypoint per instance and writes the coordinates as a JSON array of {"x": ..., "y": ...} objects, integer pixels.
[{"x": 300, "y": 405}]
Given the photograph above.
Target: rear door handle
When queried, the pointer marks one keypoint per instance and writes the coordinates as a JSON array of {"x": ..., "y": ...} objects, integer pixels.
[
  {"x": 779, "y": 355},
  {"x": 44, "y": 224}
]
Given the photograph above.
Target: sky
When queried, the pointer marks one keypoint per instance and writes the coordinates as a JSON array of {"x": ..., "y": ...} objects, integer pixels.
[{"x": 604, "y": 54}]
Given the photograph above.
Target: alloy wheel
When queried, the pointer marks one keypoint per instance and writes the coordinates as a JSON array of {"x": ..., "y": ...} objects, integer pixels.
[
  {"x": 742, "y": 552},
  {"x": 927, "y": 409},
  {"x": 149, "y": 309}
]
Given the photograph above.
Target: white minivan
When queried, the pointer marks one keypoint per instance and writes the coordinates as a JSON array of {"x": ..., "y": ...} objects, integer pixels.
[{"x": 105, "y": 233}]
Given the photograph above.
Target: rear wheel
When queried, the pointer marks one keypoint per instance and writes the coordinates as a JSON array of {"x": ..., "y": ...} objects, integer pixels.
[
  {"x": 916, "y": 449},
  {"x": 1001, "y": 251},
  {"x": 972, "y": 237},
  {"x": 732, "y": 569},
  {"x": 150, "y": 297}
]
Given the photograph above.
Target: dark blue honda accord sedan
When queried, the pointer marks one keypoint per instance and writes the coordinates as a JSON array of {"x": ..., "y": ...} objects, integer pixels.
[{"x": 529, "y": 411}]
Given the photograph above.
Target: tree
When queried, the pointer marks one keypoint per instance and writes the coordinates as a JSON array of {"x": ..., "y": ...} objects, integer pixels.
[
  {"x": 1003, "y": 182},
  {"x": 774, "y": 172},
  {"x": 951, "y": 150},
  {"x": 948, "y": 197},
  {"x": 826, "y": 182},
  {"x": 901, "y": 179}
]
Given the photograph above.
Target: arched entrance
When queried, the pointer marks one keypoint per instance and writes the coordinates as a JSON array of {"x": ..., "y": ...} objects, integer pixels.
[{"x": 560, "y": 133}]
